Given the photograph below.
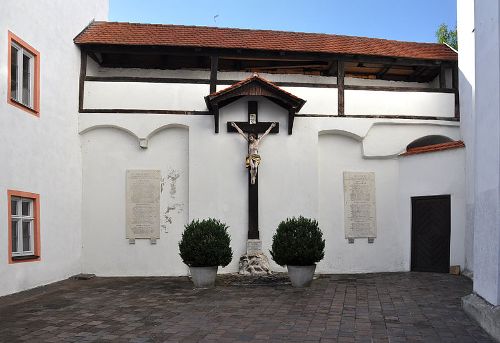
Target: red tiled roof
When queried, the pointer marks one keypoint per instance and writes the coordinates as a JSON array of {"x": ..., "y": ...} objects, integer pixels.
[
  {"x": 213, "y": 37},
  {"x": 434, "y": 147}
]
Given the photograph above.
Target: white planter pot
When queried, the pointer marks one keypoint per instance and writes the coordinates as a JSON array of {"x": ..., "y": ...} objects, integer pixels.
[
  {"x": 301, "y": 276},
  {"x": 203, "y": 277}
]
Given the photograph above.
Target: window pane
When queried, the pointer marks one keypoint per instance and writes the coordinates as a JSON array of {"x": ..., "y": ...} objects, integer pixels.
[
  {"x": 26, "y": 208},
  {"x": 26, "y": 80},
  {"x": 14, "y": 236},
  {"x": 14, "y": 75},
  {"x": 13, "y": 207},
  {"x": 26, "y": 236}
]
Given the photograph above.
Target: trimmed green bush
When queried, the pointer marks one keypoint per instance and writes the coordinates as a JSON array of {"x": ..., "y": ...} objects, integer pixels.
[
  {"x": 205, "y": 244},
  {"x": 298, "y": 242}
]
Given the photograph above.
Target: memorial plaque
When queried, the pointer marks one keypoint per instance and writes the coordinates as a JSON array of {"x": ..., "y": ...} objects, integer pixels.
[
  {"x": 254, "y": 246},
  {"x": 359, "y": 205},
  {"x": 143, "y": 204}
]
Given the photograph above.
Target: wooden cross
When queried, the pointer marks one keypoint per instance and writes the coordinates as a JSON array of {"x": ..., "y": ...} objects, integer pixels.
[{"x": 253, "y": 126}]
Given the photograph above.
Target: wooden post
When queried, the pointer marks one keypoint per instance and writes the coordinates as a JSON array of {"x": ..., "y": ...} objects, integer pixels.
[
  {"x": 215, "y": 111},
  {"x": 253, "y": 190},
  {"x": 442, "y": 77},
  {"x": 291, "y": 118},
  {"x": 214, "y": 65},
  {"x": 340, "y": 86},
  {"x": 253, "y": 208},
  {"x": 83, "y": 74},
  {"x": 455, "y": 87}
]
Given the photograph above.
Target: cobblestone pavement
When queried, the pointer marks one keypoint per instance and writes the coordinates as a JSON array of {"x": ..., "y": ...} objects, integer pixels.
[{"x": 388, "y": 307}]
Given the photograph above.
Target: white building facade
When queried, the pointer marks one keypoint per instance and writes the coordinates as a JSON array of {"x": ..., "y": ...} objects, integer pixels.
[
  {"x": 39, "y": 142},
  {"x": 138, "y": 101},
  {"x": 479, "y": 42},
  {"x": 139, "y": 113}
]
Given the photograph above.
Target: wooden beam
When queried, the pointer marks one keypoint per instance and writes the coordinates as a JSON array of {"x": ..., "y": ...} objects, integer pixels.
[
  {"x": 129, "y": 110},
  {"x": 289, "y": 66},
  {"x": 406, "y": 78},
  {"x": 83, "y": 73},
  {"x": 416, "y": 73},
  {"x": 305, "y": 115},
  {"x": 340, "y": 86},
  {"x": 253, "y": 208},
  {"x": 291, "y": 118},
  {"x": 381, "y": 116},
  {"x": 258, "y": 128},
  {"x": 215, "y": 112},
  {"x": 214, "y": 65},
  {"x": 197, "y": 81},
  {"x": 332, "y": 70},
  {"x": 383, "y": 71},
  {"x": 262, "y": 54},
  {"x": 96, "y": 57},
  {"x": 392, "y": 61},
  {"x": 253, "y": 189},
  {"x": 146, "y": 79},
  {"x": 399, "y": 89},
  {"x": 442, "y": 77},
  {"x": 455, "y": 86}
]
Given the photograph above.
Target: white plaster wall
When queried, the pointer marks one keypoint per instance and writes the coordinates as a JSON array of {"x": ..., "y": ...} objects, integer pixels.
[
  {"x": 487, "y": 151},
  {"x": 150, "y": 96},
  {"x": 354, "y": 81},
  {"x": 93, "y": 69},
  {"x": 338, "y": 153},
  {"x": 217, "y": 182},
  {"x": 385, "y": 140},
  {"x": 397, "y": 180},
  {"x": 319, "y": 100},
  {"x": 437, "y": 173},
  {"x": 189, "y": 97},
  {"x": 466, "y": 65},
  {"x": 425, "y": 104},
  {"x": 42, "y": 155},
  {"x": 107, "y": 154},
  {"x": 298, "y": 176}
]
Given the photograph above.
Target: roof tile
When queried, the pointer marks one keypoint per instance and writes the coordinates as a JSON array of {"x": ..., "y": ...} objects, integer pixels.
[
  {"x": 434, "y": 147},
  {"x": 115, "y": 33}
]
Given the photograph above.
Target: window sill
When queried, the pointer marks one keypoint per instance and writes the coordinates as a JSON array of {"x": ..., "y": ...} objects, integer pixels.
[
  {"x": 24, "y": 107},
  {"x": 25, "y": 258}
]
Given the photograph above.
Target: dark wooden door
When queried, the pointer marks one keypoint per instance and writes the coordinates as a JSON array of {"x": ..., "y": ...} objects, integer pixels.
[{"x": 430, "y": 233}]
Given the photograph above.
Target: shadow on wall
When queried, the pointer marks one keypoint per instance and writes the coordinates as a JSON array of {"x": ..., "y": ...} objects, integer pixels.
[
  {"x": 143, "y": 140},
  {"x": 107, "y": 154},
  {"x": 467, "y": 129}
]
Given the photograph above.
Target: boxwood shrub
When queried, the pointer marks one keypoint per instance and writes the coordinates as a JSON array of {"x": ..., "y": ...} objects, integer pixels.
[
  {"x": 298, "y": 242},
  {"x": 205, "y": 243}
]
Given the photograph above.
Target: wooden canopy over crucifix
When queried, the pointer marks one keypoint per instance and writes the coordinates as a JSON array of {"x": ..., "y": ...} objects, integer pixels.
[{"x": 253, "y": 86}]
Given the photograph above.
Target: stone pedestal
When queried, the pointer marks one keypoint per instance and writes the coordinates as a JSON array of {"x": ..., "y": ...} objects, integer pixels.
[{"x": 254, "y": 262}]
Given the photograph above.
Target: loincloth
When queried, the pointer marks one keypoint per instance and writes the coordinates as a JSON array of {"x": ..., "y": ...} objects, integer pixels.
[{"x": 254, "y": 157}]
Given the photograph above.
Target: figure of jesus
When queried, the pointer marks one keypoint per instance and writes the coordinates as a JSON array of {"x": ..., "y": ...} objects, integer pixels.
[{"x": 253, "y": 157}]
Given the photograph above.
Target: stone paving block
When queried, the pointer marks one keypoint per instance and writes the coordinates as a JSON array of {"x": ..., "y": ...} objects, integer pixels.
[{"x": 387, "y": 307}]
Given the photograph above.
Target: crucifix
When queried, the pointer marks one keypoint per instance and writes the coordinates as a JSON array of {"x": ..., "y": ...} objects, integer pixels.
[{"x": 250, "y": 130}]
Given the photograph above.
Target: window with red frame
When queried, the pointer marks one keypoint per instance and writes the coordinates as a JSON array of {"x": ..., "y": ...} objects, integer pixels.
[
  {"x": 23, "y": 88},
  {"x": 24, "y": 242}
]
